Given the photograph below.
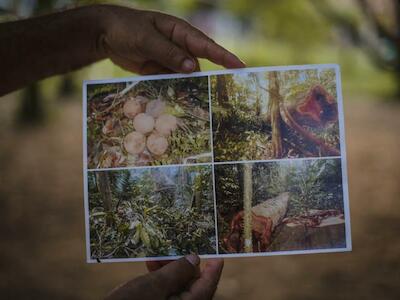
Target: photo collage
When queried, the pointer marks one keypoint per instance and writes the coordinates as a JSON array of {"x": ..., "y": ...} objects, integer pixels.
[{"x": 225, "y": 163}]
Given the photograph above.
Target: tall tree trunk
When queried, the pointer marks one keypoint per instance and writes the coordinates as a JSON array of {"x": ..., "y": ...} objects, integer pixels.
[
  {"x": 67, "y": 86},
  {"x": 274, "y": 114},
  {"x": 105, "y": 190},
  {"x": 378, "y": 31},
  {"x": 258, "y": 106},
  {"x": 247, "y": 205},
  {"x": 181, "y": 187},
  {"x": 187, "y": 185},
  {"x": 31, "y": 109},
  {"x": 239, "y": 178},
  {"x": 222, "y": 91},
  {"x": 197, "y": 201}
]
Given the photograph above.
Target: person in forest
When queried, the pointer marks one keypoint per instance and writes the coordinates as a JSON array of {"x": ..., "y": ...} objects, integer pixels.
[{"x": 144, "y": 42}]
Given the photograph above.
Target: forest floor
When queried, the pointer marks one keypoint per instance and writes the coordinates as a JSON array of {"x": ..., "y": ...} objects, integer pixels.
[{"x": 42, "y": 219}]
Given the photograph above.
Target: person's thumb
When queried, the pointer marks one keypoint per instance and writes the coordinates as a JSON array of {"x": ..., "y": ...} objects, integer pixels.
[{"x": 174, "y": 277}]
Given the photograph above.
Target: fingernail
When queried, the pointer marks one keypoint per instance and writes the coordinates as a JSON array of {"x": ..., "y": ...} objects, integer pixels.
[
  {"x": 242, "y": 63},
  {"x": 193, "y": 259},
  {"x": 188, "y": 65}
]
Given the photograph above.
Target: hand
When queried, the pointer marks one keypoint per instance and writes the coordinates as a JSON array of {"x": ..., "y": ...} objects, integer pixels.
[
  {"x": 180, "y": 279},
  {"x": 149, "y": 42},
  {"x": 145, "y": 42}
]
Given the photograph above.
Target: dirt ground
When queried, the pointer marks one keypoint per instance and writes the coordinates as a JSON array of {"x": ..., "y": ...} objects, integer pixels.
[{"x": 42, "y": 252}]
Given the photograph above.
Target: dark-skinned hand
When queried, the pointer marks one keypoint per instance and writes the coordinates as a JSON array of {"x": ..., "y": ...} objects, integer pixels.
[
  {"x": 140, "y": 41},
  {"x": 181, "y": 279},
  {"x": 148, "y": 42}
]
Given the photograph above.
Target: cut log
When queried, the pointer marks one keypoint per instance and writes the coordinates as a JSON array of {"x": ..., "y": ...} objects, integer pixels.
[
  {"x": 318, "y": 230},
  {"x": 274, "y": 208},
  {"x": 265, "y": 217}
]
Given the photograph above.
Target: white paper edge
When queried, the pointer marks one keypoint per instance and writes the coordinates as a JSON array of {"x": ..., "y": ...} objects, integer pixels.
[
  {"x": 85, "y": 171},
  {"x": 345, "y": 182}
]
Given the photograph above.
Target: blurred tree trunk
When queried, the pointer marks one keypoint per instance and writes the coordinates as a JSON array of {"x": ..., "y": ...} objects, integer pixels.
[
  {"x": 258, "y": 106},
  {"x": 222, "y": 92},
  {"x": 239, "y": 177},
  {"x": 247, "y": 205},
  {"x": 274, "y": 114},
  {"x": 196, "y": 200},
  {"x": 381, "y": 42},
  {"x": 31, "y": 110},
  {"x": 180, "y": 188},
  {"x": 105, "y": 190},
  {"x": 258, "y": 95},
  {"x": 196, "y": 193},
  {"x": 67, "y": 86}
]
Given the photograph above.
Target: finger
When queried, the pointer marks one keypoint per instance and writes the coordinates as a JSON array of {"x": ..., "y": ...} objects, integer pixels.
[
  {"x": 152, "y": 67},
  {"x": 175, "y": 276},
  {"x": 196, "y": 42},
  {"x": 206, "y": 285},
  {"x": 200, "y": 47},
  {"x": 126, "y": 63},
  {"x": 158, "y": 48},
  {"x": 197, "y": 69},
  {"x": 156, "y": 264}
]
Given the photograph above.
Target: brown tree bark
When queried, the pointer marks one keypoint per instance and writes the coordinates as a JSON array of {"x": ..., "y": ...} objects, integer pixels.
[
  {"x": 274, "y": 114},
  {"x": 258, "y": 106},
  {"x": 31, "y": 108},
  {"x": 197, "y": 203},
  {"x": 180, "y": 189},
  {"x": 247, "y": 206},
  {"x": 103, "y": 182},
  {"x": 222, "y": 91},
  {"x": 239, "y": 178}
]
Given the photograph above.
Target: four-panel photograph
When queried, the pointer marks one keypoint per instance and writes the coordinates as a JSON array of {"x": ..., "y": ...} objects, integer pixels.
[{"x": 234, "y": 163}]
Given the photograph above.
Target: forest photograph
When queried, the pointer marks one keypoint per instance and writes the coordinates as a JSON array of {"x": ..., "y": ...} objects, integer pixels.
[
  {"x": 280, "y": 206},
  {"x": 147, "y": 212},
  {"x": 149, "y": 122},
  {"x": 275, "y": 114}
]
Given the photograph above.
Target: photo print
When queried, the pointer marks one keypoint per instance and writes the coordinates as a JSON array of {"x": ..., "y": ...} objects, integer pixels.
[
  {"x": 280, "y": 206},
  {"x": 230, "y": 163},
  {"x": 275, "y": 114},
  {"x": 151, "y": 212},
  {"x": 148, "y": 122}
]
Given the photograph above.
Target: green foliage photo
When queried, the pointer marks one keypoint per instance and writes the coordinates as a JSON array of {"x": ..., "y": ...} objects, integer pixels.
[
  {"x": 251, "y": 114},
  {"x": 312, "y": 185},
  {"x": 151, "y": 212}
]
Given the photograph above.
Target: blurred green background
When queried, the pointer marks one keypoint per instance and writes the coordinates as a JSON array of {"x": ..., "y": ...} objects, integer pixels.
[{"x": 41, "y": 194}]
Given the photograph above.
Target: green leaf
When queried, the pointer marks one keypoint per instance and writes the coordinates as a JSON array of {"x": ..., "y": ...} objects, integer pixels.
[
  {"x": 98, "y": 214},
  {"x": 144, "y": 236}
]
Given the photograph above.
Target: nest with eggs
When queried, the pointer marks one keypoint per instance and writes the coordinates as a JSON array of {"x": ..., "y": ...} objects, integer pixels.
[
  {"x": 152, "y": 127},
  {"x": 154, "y": 123}
]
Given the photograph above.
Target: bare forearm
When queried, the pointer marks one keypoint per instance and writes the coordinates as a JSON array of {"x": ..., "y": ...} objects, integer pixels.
[
  {"x": 145, "y": 42},
  {"x": 36, "y": 48}
]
